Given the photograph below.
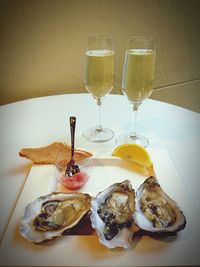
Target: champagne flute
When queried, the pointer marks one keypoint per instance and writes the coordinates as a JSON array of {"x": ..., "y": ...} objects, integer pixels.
[
  {"x": 137, "y": 81},
  {"x": 99, "y": 80}
]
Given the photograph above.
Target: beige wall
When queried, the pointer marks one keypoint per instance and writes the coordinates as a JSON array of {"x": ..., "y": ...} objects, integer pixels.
[{"x": 43, "y": 43}]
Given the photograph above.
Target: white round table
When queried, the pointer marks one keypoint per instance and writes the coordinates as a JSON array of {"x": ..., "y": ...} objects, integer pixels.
[{"x": 40, "y": 121}]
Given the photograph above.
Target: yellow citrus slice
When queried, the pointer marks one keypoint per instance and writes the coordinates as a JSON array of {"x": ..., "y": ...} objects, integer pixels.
[{"x": 133, "y": 152}]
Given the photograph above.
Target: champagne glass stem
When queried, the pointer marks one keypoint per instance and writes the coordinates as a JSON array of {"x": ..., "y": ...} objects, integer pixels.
[
  {"x": 99, "y": 126},
  {"x": 134, "y": 120}
]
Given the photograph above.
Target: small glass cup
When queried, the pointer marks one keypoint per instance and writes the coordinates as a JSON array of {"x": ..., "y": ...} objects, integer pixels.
[{"x": 75, "y": 182}]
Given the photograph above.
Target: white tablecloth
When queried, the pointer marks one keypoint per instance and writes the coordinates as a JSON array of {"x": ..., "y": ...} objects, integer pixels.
[{"x": 40, "y": 121}]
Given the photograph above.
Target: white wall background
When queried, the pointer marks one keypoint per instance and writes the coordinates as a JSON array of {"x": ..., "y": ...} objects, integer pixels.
[{"x": 42, "y": 45}]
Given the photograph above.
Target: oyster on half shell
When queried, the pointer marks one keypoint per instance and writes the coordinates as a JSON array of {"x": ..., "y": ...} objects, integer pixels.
[
  {"x": 155, "y": 211},
  {"x": 111, "y": 215},
  {"x": 50, "y": 215}
]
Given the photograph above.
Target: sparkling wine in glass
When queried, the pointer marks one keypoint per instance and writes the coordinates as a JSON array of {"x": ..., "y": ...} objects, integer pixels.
[
  {"x": 137, "y": 81},
  {"x": 99, "y": 80}
]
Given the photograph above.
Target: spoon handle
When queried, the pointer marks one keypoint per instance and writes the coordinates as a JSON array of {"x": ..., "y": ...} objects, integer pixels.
[{"x": 72, "y": 121}]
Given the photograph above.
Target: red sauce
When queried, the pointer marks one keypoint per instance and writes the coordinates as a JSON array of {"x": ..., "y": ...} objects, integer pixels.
[{"x": 74, "y": 182}]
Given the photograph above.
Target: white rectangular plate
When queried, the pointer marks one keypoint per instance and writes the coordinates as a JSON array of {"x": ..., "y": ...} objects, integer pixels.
[
  {"x": 181, "y": 249},
  {"x": 102, "y": 173}
]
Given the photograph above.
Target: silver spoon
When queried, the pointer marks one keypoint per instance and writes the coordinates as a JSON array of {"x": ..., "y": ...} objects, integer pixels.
[{"x": 72, "y": 167}]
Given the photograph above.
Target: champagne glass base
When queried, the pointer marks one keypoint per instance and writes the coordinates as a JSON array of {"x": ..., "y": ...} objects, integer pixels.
[
  {"x": 128, "y": 139},
  {"x": 98, "y": 135}
]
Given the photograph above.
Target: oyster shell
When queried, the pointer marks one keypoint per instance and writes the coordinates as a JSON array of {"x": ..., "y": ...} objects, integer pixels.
[
  {"x": 50, "y": 215},
  {"x": 155, "y": 211},
  {"x": 111, "y": 215}
]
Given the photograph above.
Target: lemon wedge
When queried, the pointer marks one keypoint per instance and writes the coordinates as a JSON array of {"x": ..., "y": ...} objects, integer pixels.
[{"x": 133, "y": 152}]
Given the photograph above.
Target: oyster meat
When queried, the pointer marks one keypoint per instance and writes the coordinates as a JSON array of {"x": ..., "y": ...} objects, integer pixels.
[
  {"x": 155, "y": 211},
  {"x": 111, "y": 215},
  {"x": 50, "y": 215}
]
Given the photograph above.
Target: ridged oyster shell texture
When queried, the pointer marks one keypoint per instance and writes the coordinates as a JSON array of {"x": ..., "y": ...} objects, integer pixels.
[
  {"x": 155, "y": 211},
  {"x": 116, "y": 213},
  {"x": 116, "y": 210},
  {"x": 50, "y": 215},
  {"x": 111, "y": 215}
]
